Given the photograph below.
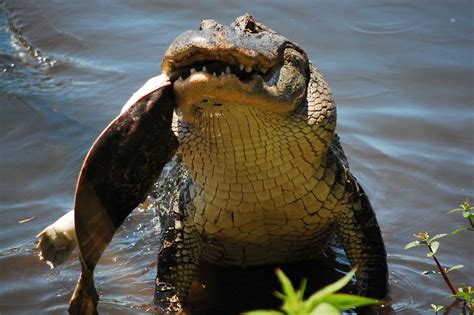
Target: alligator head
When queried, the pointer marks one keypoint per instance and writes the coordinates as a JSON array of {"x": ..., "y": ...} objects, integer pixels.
[{"x": 246, "y": 61}]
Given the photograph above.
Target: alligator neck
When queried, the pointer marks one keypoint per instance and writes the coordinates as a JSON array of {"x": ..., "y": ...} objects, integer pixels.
[{"x": 244, "y": 150}]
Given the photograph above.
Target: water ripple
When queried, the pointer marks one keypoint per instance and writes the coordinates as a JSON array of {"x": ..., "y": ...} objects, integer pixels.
[
  {"x": 383, "y": 20},
  {"x": 380, "y": 29},
  {"x": 403, "y": 292},
  {"x": 10, "y": 251}
]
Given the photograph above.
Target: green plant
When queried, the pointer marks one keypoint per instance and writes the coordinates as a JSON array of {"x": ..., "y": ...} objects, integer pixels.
[
  {"x": 465, "y": 292},
  {"x": 324, "y": 301},
  {"x": 436, "y": 308},
  {"x": 467, "y": 213}
]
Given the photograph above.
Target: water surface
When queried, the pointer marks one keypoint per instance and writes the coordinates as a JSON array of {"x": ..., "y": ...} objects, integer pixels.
[{"x": 401, "y": 72}]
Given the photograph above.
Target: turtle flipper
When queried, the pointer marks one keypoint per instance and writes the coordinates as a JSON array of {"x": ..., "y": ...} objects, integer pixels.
[{"x": 116, "y": 176}]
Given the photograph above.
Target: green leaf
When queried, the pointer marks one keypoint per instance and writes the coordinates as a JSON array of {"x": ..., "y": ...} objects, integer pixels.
[
  {"x": 316, "y": 297},
  {"x": 462, "y": 296},
  {"x": 302, "y": 289},
  {"x": 455, "y": 210},
  {"x": 412, "y": 244},
  {"x": 286, "y": 285},
  {"x": 459, "y": 230},
  {"x": 326, "y": 309},
  {"x": 264, "y": 312},
  {"x": 466, "y": 205},
  {"x": 343, "y": 301},
  {"x": 434, "y": 249},
  {"x": 455, "y": 267},
  {"x": 466, "y": 214},
  {"x": 436, "y": 308},
  {"x": 438, "y": 236},
  {"x": 280, "y": 295},
  {"x": 424, "y": 236}
]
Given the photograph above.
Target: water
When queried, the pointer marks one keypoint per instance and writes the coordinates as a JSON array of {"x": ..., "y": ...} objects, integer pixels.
[{"x": 401, "y": 72}]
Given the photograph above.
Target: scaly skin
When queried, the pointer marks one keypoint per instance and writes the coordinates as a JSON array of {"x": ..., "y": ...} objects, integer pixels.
[
  {"x": 254, "y": 126},
  {"x": 277, "y": 198}
]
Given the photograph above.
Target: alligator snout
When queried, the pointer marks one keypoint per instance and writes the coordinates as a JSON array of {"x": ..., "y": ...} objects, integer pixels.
[{"x": 246, "y": 45}]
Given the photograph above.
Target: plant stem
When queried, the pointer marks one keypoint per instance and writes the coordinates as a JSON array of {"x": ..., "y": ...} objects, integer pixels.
[
  {"x": 443, "y": 273},
  {"x": 452, "y": 306},
  {"x": 472, "y": 223}
]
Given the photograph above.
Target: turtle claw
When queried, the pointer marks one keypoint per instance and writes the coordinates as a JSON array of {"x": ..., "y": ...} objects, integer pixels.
[
  {"x": 85, "y": 297},
  {"x": 57, "y": 241}
]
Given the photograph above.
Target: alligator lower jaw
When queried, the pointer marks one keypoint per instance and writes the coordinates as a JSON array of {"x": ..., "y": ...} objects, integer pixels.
[{"x": 222, "y": 89}]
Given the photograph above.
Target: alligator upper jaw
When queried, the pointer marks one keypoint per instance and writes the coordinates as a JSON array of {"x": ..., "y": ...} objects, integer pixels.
[
  {"x": 229, "y": 48},
  {"x": 239, "y": 47}
]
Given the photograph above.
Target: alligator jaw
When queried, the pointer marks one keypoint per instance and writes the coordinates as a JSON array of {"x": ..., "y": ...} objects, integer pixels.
[
  {"x": 226, "y": 88},
  {"x": 219, "y": 68}
]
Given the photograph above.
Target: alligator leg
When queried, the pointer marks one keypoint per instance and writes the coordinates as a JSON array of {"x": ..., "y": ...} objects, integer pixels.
[
  {"x": 361, "y": 238},
  {"x": 178, "y": 260}
]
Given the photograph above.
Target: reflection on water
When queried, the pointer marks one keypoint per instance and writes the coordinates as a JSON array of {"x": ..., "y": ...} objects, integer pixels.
[{"x": 401, "y": 72}]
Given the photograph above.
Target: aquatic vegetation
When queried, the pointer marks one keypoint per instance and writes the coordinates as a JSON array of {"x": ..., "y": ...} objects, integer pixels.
[
  {"x": 436, "y": 308},
  {"x": 464, "y": 293},
  {"x": 324, "y": 301}
]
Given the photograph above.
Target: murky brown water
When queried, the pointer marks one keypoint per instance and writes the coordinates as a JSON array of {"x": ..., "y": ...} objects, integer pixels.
[{"x": 401, "y": 72}]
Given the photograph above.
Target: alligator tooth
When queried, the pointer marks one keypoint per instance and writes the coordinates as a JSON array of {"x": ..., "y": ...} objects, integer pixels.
[
  {"x": 180, "y": 78},
  {"x": 193, "y": 70},
  {"x": 227, "y": 70},
  {"x": 248, "y": 69},
  {"x": 204, "y": 69},
  {"x": 214, "y": 74},
  {"x": 241, "y": 67},
  {"x": 222, "y": 73}
]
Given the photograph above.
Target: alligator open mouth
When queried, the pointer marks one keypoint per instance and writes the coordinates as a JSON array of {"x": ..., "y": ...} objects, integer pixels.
[
  {"x": 217, "y": 68},
  {"x": 228, "y": 76}
]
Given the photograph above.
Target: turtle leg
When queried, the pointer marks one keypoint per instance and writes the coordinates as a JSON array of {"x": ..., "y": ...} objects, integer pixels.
[
  {"x": 57, "y": 241},
  {"x": 178, "y": 258},
  {"x": 361, "y": 238}
]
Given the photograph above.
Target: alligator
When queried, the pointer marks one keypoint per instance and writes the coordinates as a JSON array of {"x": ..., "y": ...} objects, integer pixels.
[{"x": 253, "y": 122}]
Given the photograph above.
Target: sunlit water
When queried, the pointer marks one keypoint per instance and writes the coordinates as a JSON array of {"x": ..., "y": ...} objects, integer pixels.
[{"x": 401, "y": 72}]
